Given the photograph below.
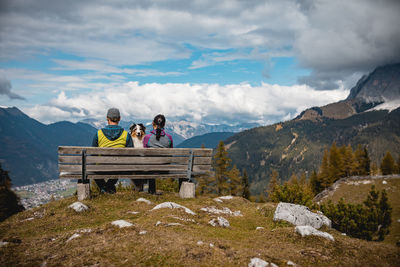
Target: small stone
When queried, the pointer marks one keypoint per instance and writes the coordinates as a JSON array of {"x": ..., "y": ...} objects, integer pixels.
[
  {"x": 158, "y": 223},
  {"x": 257, "y": 262},
  {"x": 144, "y": 200},
  {"x": 133, "y": 212},
  {"x": 344, "y": 234},
  {"x": 309, "y": 230},
  {"x": 142, "y": 232},
  {"x": 200, "y": 243},
  {"x": 260, "y": 228},
  {"x": 3, "y": 243},
  {"x": 85, "y": 231},
  {"x": 78, "y": 206},
  {"x": 220, "y": 221},
  {"x": 121, "y": 223},
  {"x": 172, "y": 205},
  {"x": 29, "y": 219},
  {"x": 211, "y": 245},
  {"x": 73, "y": 237},
  {"x": 224, "y": 210},
  {"x": 291, "y": 263},
  {"x": 384, "y": 182}
]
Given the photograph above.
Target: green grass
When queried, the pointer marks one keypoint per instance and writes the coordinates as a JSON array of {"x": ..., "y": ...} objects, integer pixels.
[{"x": 44, "y": 239}]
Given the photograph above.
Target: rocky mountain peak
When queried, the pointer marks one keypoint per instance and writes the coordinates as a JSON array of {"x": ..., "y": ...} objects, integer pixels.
[{"x": 382, "y": 85}]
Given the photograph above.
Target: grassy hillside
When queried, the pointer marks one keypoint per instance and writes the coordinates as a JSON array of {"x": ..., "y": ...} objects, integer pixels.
[
  {"x": 297, "y": 146},
  {"x": 355, "y": 190},
  {"x": 44, "y": 239}
]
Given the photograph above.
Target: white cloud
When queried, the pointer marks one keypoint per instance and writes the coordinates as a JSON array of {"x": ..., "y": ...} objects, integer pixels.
[{"x": 197, "y": 102}]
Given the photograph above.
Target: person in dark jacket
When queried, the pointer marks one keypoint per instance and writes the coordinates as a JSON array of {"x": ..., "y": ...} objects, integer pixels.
[
  {"x": 112, "y": 135},
  {"x": 157, "y": 138}
]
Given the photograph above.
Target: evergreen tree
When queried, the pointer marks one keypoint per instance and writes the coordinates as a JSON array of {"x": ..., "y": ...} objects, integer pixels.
[
  {"x": 388, "y": 165},
  {"x": 324, "y": 175},
  {"x": 9, "y": 201},
  {"x": 363, "y": 161},
  {"x": 206, "y": 184},
  {"x": 374, "y": 169},
  {"x": 245, "y": 184},
  {"x": 349, "y": 162},
  {"x": 315, "y": 183},
  {"x": 221, "y": 165},
  {"x": 273, "y": 184},
  {"x": 236, "y": 187},
  {"x": 336, "y": 169}
]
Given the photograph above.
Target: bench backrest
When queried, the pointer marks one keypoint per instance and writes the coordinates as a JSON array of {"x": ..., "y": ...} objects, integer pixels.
[{"x": 135, "y": 163}]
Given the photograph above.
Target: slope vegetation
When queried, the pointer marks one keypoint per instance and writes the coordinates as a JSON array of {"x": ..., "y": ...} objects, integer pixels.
[{"x": 55, "y": 235}]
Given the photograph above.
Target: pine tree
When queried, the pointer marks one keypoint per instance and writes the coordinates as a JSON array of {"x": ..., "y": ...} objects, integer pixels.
[
  {"x": 206, "y": 184},
  {"x": 349, "y": 162},
  {"x": 245, "y": 184},
  {"x": 236, "y": 187},
  {"x": 272, "y": 185},
  {"x": 315, "y": 183},
  {"x": 335, "y": 164},
  {"x": 324, "y": 175},
  {"x": 221, "y": 165},
  {"x": 387, "y": 164}
]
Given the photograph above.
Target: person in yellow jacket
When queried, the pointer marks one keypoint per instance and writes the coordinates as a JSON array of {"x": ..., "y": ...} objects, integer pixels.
[{"x": 112, "y": 135}]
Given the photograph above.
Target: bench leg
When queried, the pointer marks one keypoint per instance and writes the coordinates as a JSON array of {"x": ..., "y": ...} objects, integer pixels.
[
  {"x": 152, "y": 186},
  {"x": 187, "y": 190},
  {"x": 83, "y": 190}
]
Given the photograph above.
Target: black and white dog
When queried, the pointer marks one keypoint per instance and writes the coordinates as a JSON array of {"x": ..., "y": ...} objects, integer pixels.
[{"x": 137, "y": 131}]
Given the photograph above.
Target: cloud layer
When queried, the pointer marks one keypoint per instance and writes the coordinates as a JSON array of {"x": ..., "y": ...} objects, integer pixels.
[{"x": 211, "y": 103}]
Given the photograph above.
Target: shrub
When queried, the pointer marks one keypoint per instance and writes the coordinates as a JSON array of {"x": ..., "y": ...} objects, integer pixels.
[{"x": 370, "y": 221}]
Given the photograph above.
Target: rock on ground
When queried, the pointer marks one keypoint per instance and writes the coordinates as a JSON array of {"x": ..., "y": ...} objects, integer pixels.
[
  {"x": 306, "y": 230},
  {"x": 257, "y": 262},
  {"x": 220, "y": 221},
  {"x": 219, "y": 199},
  {"x": 121, "y": 223},
  {"x": 78, "y": 206},
  {"x": 172, "y": 205},
  {"x": 144, "y": 200},
  {"x": 300, "y": 215},
  {"x": 73, "y": 237},
  {"x": 225, "y": 210}
]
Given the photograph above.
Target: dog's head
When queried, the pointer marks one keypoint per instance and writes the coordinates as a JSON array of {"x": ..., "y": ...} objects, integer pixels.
[{"x": 137, "y": 130}]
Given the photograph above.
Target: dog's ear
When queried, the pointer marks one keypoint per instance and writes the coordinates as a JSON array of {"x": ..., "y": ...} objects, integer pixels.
[
  {"x": 143, "y": 127},
  {"x": 132, "y": 127}
]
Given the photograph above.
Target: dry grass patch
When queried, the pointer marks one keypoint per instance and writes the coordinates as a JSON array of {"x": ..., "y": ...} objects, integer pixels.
[{"x": 45, "y": 238}]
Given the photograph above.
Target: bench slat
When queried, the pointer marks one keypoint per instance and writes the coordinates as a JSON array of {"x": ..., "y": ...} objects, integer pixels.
[
  {"x": 205, "y": 152},
  {"x": 127, "y": 176},
  {"x": 132, "y": 160},
  {"x": 113, "y": 168}
]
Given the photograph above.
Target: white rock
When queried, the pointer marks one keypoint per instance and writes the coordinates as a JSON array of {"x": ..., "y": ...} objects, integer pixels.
[
  {"x": 344, "y": 234},
  {"x": 121, "y": 223},
  {"x": 219, "y": 199},
  {"x": 144, "y": 200},
  {"x": 398, "y": 220},
  {"x": 220, "y": 221},
  {"x": 133, "y": 212},
  {"x": 158, "y": 223},
  {"x": 306, "y": 230},
  {"x": 211, "y": 245},
  {"x": 29, "y": 219},
  {"x": 300, "y": 215},
  {"x": 172, "y": 205},
  {"x": 225, "y": 210},
  {"x": 273, "y": 264},
  {"x": 73, "y": 237},
  {"x": 182, "y": 219},
  {"x": 384, "y": 182},
  {"x": 3, "y": 243},
  {"x": 291, "y": 263},
  {"x": 78, "y": 206},
  {"x": 142, "y": 232},
  {"x": 85, "y": 230},
  {"x": 260, "y": 228},
  {"x": 200, "y": 243},
  {"x": 257, "y": 262}
]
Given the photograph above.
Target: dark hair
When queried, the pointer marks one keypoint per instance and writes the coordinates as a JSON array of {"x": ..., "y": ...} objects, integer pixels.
[{"x": 159, "y": 121}]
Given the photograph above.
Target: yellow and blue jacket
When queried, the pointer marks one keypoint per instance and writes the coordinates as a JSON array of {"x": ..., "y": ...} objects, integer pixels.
[{"x": 112, "y": 136}]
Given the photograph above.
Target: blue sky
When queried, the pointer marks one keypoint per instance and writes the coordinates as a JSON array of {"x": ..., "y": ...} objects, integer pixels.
[{"x": 213, "y": 62}]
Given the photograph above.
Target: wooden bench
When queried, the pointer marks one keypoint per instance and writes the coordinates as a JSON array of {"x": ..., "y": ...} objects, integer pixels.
[{"x": 85, "y": 163}]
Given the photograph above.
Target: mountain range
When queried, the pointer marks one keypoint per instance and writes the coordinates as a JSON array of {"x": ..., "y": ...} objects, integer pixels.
[{"x": 370, "y": 116}]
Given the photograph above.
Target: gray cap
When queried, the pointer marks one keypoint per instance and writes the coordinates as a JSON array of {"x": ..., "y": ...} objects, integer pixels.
[{"x": 113, "y": 113}]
